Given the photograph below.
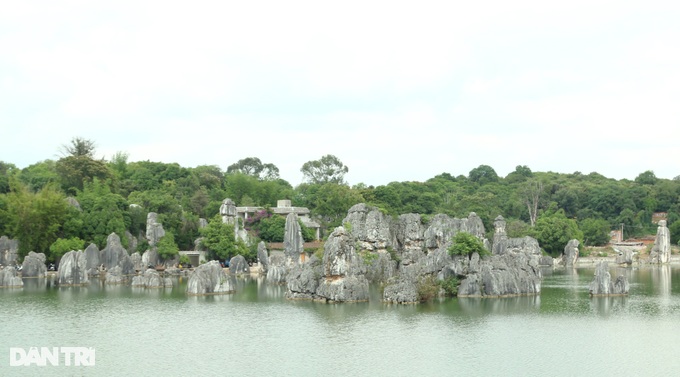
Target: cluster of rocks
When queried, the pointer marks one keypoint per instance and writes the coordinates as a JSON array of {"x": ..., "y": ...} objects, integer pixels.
[
  {"x": 404, "y": 252},
  {"x": 602, "y": 284},
  {"x": 9, "y": 251},
  {"x": 9, "y": 278},
  {"x": 151, "y": 279}
]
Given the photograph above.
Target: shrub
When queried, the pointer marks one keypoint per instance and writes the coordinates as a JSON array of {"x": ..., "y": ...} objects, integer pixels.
[
  {"x": 428, "y": 288},
  {"x": 466, "y": 244},
  {"x": 450, "y": 286}
]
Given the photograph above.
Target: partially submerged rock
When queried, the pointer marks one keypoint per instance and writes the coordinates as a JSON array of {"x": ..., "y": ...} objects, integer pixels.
[
  {"x": 114, "y": 276},
  {"x": 34, "y": 265},
  {"x": 343, "y": 278},
  {"x": 661, "y": 251},
  {"x": 570, "y": 255},
  {"x": 303, "y": 280},
  {"x": 9, "y": 278},
  {"x": 9, "y": 251},
  {"x": 602, "y": 284},
  {"x": 114, "y": 254},
  {"x": 263, "y": 257},
  {"x": 277, "y": 272},
  {"x": 238, "y": 265},
  {"x": 151, "y": 279},
  {"x": 73, "y": 269},
  {"x": 209, "y": 279},
  {"x": 92, "y": 259}
]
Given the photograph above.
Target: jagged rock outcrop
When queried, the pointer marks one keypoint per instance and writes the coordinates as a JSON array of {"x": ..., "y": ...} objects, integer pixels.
[
  {"x": 114, "y": 254},
  {"x": 410, "y": 232},
  {"x": 276, "y": 274},
  {"x": 137, "y": 263},
  {"x": 151, "y": 258},
  {"x": 9, "y": 251},
  {"x": 402, "y": 290},
  {"x": 624, "y": 255},
  {"x": 380, "y": 268},
  {"x": 500, "y": 237},
  {"x": 570, "y": 255},
  {"x": 73, "y": 269},
  {"x": 303, "y": 280},
  {"x": 34, "y": 265},
  {"x": 132, "y": 243},
  {"x": 602, "y": 284},
  {"x": 510, "y": 274},
  {"x": 228, "y": 211},
  {"x": 115, "y": 276},
  {"x": 9, "y": 278},
  {"x": 293, "y": 243},
  {"x": 154, "y": 229},
  {"x": 661, "y": 251},
  {"x": 151, "y": 279},
  {"x": 372, "y": 228},
  {"x": 343, "y": 278},
  {"x": 208, "y": 279},
  {"x": 263, "y": 257},
  {"x": 238, "y": 265},
  {"x": 202, "y": 223},
  {"x": 93, "y": 262}
]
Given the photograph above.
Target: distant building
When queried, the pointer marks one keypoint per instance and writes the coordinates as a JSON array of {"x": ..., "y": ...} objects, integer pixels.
[{"x": 283, "y": 208}]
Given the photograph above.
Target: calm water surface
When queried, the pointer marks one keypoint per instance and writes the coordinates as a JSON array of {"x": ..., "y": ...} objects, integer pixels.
[{"x": 138, "y": 332}]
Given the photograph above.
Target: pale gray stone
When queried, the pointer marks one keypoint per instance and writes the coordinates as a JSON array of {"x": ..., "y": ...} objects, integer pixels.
[
  {"x": 661, "y": 251},
  {"x": 210, "y": 278},
  {"x": 34, "y": 265},
  {"x": 602, "y": 284},
  {"x": 238, "y": 265},
  {"x": 293, "y": 243},
  {"x": 73, "y": 269},
  {"x": 154, "y": 229},
  {"x": 9, "y": 251},
  {"x": 263, "y": 257},
  {"x": 9, "y": 278},
  {"x": 570, "y": 255}
]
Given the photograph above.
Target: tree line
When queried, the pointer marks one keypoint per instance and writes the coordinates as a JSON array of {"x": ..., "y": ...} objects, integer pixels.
[{"x": 37, "y": 204}]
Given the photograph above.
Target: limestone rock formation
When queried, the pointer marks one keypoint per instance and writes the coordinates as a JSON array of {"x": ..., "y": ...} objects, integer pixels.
[
  {"x": 136, "y": 260},
  {"x": 9, "y": 278},
  {"x": 228, "y": 211},
  {"x": 150, "y": 279},
  {"x": 150, "y": 258},
  {"x": 401, "y": 291},
  {"x": 34, "y": 265},
  {"x": 661, "y": 251},
  {"x": 73, "y": 269},
  {"x": 293, "y": 243},
  {"x": 114, "y": 254},
  {"x": 154, "y": 229},
  {"x": 372, "y": 228},
  {"x": 303, "y": 280},
  {"x": 500, "y": 237},
  {"x": 209, "y": 278},
  {"x": 9, "y": 250},
  {"x": 343, "y": 270},
  {"x": 263, "y": 257},
  {"x": 238, "y": 265},
  {"x": 410, "y": 232},
  {"x": 115, "y": 276},
  {"x": 570, "y": 255},
  {"x": 624, "y": 255},
  {"x": 92, "y": 255},
  {"x": 602, "y": 284},
  {"x": 276, "y": 273}
]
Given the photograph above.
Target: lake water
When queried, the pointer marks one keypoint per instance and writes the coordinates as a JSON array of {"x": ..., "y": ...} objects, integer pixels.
[{"x": 256, "y": 331}]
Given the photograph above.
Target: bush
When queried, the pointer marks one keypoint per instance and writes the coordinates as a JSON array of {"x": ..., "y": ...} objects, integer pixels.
[
  {"x": 450, "y": 286},
  {"x": 466, "y": 244},
  {"x": 62, "y": 246},
  {"x": 167, "y": 248},
  {"x": 428, "y": 288}
]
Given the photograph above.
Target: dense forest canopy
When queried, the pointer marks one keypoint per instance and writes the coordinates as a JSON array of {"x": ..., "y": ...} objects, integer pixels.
[{"x": 549, "y": 206}]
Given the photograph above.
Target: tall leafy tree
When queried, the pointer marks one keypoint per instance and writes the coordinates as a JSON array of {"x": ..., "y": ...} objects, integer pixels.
[
  {"x": 253, "y": 166},
  {"x": 327, "y": 169},
  {"x": 35, "y": 219}
]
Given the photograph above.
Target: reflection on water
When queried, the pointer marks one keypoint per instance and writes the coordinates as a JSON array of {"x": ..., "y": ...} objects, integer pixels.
[{"x": 256, "y": 331}]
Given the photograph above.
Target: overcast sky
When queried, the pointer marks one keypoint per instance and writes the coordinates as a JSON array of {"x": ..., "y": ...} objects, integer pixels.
[{"x": 399, "y": 91}]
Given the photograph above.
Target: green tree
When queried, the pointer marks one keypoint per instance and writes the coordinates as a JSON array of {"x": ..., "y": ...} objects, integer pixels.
[
  {"x": 35, "y": 219},
  {"x": 38, "y": 175},
  {"x": 253, "y": 166},
  {"x": 646, "y": 178},
  {"x": 674, "y": 229},
  {"x": 62, "y": 246},
  {"x": 327, "y": 169},
  {"x": 595, "y": 231},
  {"x": 554, "y": 230},
  {"x": 483, "y": 174},
  {"x": 219, "y": 239},
  {"x": 103, "y": 213},
  {"x": 466, "y": 244},
  {"x": 167, "y": 248}
]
